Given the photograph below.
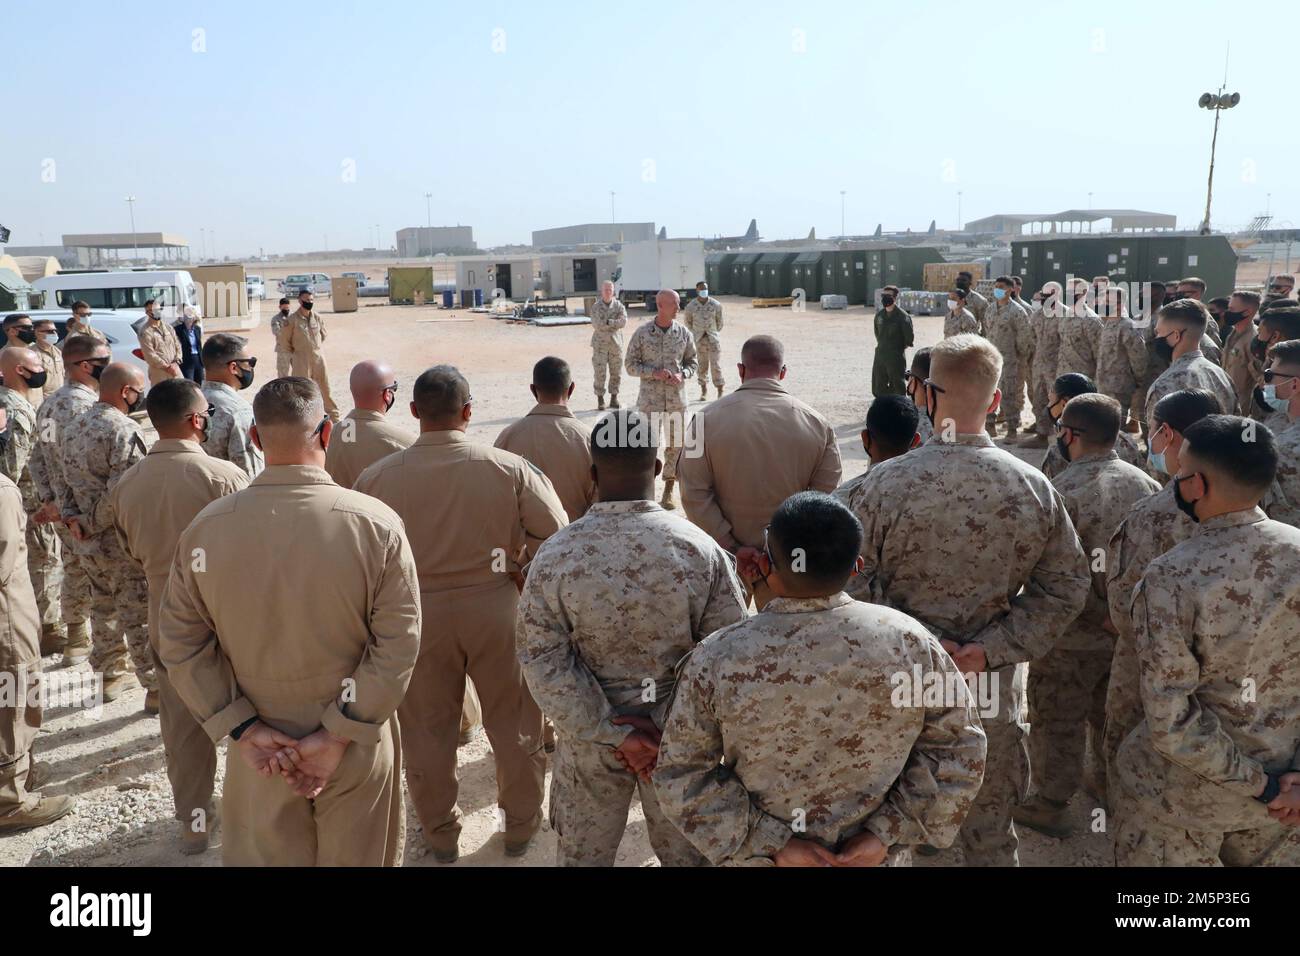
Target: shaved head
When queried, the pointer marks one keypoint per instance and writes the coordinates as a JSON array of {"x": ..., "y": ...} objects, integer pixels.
[
  {"x": 668, "y": 303},
  {"x": 119, "y": 375},
  {"x": 287, "y": 413},
  {"x": 369, "y": 376},
  {"x": 762, "y": 355},
  {"x": 11, "y": 358}
]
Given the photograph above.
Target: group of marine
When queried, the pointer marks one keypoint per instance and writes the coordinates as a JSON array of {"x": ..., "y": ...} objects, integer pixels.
[{"x": 796, "y": 671}]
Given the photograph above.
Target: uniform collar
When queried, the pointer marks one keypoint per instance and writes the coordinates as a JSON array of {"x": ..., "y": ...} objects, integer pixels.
[
  {"x": 545, "y": 408},
  {"x": 73, "y": 383},
  {"x": 293, "y": 475},
  {"x": 365, "y": 415},
  {"x": 638, "y": 506},
  {"x": 655, "y": 327},
  {"x": 1187, "y": 359},
  {"x": 761, "y": 384},
  {"x": 979, "y": 440},
  {"x": 176, "y": 446},
  {"x": 451, "y": 436},
  {"x": 6, "y": 390},
  {"x": 1096, "y": 456},
  {"x": 789, "y": 605},
  {"x": 1233, "y": 519},
  {"x": 216, "y": 386}
]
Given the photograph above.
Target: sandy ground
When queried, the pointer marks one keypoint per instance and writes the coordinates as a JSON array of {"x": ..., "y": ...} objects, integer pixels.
[{"x": 114, "y": 760}]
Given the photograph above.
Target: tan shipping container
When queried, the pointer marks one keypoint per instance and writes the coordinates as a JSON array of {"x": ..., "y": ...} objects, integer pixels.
[{"x": 942, "y": 276}]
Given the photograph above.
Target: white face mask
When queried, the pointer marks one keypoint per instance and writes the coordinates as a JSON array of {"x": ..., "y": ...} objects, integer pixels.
[
  {"x": 954, "y": 304},
  {"x": 703, "y": 293}
]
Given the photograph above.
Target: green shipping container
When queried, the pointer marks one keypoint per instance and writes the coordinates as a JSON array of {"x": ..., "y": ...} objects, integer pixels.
[
  {"x": 849, "y": 276},
  {"x": 774, "y": 275},
  {"x": 1127, "y": 258},
  {"x": 744, "y": 272},
  {"x": 806, "y": 274},
  {"x": 717, "y": 271},
  {"x": 905, "y": 266},
  {"x": 405, "y": 281}
]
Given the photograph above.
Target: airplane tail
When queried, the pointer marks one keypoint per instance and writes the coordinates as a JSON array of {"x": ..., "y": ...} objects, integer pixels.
[
  {"x": 879, "y": 228},
  {"x": 663, "y": 232},
  {"x": 751, "y": 234},
  {"x": 930, "y": 231},
  {"x": 812, "y": 233}
]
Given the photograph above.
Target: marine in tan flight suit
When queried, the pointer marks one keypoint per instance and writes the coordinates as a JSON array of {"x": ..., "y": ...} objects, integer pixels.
[
  {"x": 159, "y": 345},
  {"x": 552, "y": 438},
  {"x": 474, "y": 515},
  {"x": 21, "y": 807},
  {"x": 749, "y": 451},
  {"x": 303, "y": 337},
  {"x": 307, "y": 684},
  {"x": 154, "y": 502}
]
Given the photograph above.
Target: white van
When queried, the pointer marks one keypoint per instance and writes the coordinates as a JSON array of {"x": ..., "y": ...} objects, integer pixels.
[{"x": 125, "y": 289}]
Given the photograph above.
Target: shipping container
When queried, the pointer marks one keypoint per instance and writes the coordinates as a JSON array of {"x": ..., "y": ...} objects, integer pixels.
[
  {"x": 774, "y": 281},
  {"x": 404, "y": 282},
  {"x": 849, "y": 275},
  {"x": 1127, "y": 258},
  {"x": 942, "y": 276},
  {"x": 717, "y": 271},
  {"x": 744, "y": 271},
  {"x": 806, "y": 274}
]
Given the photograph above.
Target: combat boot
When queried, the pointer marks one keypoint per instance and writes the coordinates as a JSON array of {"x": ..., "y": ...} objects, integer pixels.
[
  {"x": 195, "y": 842},
  {"x": 704, "y": 394},
  {"x": 666, "y": 502},
  {"x": 518, "y": 848},
  {"x": 77, "y": 648},
  {"x": 613, "y": 401},
  {"x": 1012, "y": 432},
  {"x": 600, "y": 404},
  {"x": 53, "y": 640},
  {"x": 115, "y": 687},
  {"x": 46, "y": 811},
  {"x": 1033, "y": 440},
  {"x": 151, "y": 703},
  {"x": 718, "y": 389},
  {"x": 1046, "y": 816},
  {"x": 38, "y": 775}
]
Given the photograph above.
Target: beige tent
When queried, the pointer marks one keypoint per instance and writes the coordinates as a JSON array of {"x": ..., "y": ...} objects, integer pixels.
[{"x": 32, "y": 268}]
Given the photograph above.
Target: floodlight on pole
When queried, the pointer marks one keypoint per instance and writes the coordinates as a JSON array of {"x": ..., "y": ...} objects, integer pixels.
[
  {"x": 135, "y": 250},
  {"x": 1218, "y": 102}
]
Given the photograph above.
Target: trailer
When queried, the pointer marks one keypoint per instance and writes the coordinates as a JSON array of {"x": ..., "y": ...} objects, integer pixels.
[{"x": 648, "y": 266}]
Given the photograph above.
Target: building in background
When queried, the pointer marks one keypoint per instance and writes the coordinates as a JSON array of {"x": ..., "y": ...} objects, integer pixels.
[
  {"x": 416, "y": 241},
  {"x": 592, "y": 234},
  {"x": 1072, "y": 221}
]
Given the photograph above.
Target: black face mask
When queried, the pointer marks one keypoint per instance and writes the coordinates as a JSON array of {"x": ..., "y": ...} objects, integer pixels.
[
  {"x": 96, "y": 371},
  {"x": 1047, "y": 410},
  {"x": 27, "y": 335},
  {"x": 1232, "y": 318},
  {"x": 930, "y": 413},
  {"x": 1259, "y": 348},
  {"x": 245, "y": 378},
  {"x": 306, "y": 306},
  {"x": 1186, "y": 507},
  {"x": 1164, "y": 349},
  {"x": 1064, "y": 448},
  {"x": 285, "y": 310},
  {"x": 137, "y": 404},
  {"x": 37, "y": 379},
  {"x": 886, "y": 300}
]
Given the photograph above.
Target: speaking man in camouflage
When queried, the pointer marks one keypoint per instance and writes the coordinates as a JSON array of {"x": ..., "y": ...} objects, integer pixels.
[
  {"x": 86, "y": 358},
  {"x": 1067, "y": 687},
  {"x": 759, "y": 764},
  {"x": 1180, "y": 327},
  {"x": 227, "y": 370},
  {"x": 611, "y": 604},
  {"x": 98, "y": 449},
  {"x": 1122, "y": 359},
  {"x": 1215, "y": 622},
  {"x": 662, "y": 355},
  {"x": 1282, "y": 392},
  {"x": 1152, "y": 527},
  {"x": 24, "y": 374},
  {"x": 758, "y": 446},
  {"x": 1007, "y": 326},
  {"x": 153, "y": 503},
  {"x": 608, "y": 319},
  {"x": 1045, "y": 322},
  {"x": 1065, "y": 388},
  {"x": 985, "y": 555},
  {"x": 1080, "y": 333},
  {"x": 704, "y": 320}
]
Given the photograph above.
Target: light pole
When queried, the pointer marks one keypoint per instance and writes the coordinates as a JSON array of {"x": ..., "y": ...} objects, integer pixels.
[
  {"x": 1217, "y": 102},
  {"x": 135, "y": 250},
  {"x": 842, "y": 213},
  {"x": 612, "y": 218},
  {"x": 959, "y": 222}
]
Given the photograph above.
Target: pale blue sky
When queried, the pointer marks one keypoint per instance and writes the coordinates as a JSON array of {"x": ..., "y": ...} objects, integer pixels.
[{"x": 743, "y": 109}]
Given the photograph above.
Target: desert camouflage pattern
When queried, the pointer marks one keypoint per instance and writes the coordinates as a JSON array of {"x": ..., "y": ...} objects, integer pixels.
[
  {"x": 1244, "y": 370},
  {"x": 1080, "y": 336},
  {"x": 228, "y": 430},
  {"x": 1126, "y": 446},
  {"x": 960, "y": 323},
  {"x": 607, "y": 323},
  {"x": 1122, "y": 361},
  {"x": 1285, "y": 500},
  {"x": 1042, "y": 373},
  {"x": 799, "y": 705},
  {"x": 1006, "y": 325},
  {"x": 1193, "y": 370}
]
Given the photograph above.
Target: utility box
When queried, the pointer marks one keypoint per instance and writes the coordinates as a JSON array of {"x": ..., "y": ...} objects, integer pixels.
[
  {"x": 343, "y": 294},
  {"x": 404, "y": 282}
]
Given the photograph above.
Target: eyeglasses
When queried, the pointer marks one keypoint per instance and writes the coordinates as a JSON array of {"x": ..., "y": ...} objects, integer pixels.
[
  {"x": 252, "y": 361},
  {"x": 935, "y": 388},
  {"x": 391, "y": 388},
  {"x": 321, "y": 427},
  {"x": 208, "y": 412},
  {"x": 1271, "y": 376},
  {"x": 98, "y": 363},
  {"x": 1061, "y": 426}
]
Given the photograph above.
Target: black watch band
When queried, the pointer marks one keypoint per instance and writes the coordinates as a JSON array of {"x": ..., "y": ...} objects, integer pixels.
[
  {"x": 1271, "y": 789},
  {"x": 238, "y": 731}
]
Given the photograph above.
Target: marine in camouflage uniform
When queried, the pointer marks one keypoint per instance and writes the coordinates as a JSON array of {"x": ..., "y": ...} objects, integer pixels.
[
  {"x": 1214, "y": 618},
  {"x": 960, "y": 323},
  {"x": 651, "y": 349},
  {"x": 978, "y": 305},
  {"x": 611, "y": 604},
  {"x": 1046, "y": 326},
  {"x": 1126, "y": 447},
  {"x": 1153, "y": 526},
  {"x": 1287, "y": 507},
  {"x": 102, "y": 444},
  {"x": 1193, "y": 370},
  {"x": 283, "y": 357},
  {"x": 228, "y": 429},
  {"x": 984, "y": 552},
  {"x": 1067, "y": 688},
  {"x": 1122, "y": 360},
  {"x": 703, "y": 317},
  {"x": 1007, "y": 326},
  {"x": 55, "y": 417},
  {"x": 756, "y": 751},
  {"x": 608, "y": 319},
  {"x": 54, "y": 372},
  {"x": 1080, "y": 338},
  {"x": 43, "y": 564}
]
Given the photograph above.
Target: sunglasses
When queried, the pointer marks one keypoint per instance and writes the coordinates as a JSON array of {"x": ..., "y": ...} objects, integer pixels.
[
  {"x": 1271, "y": 376},
  {"x": 252, "y": 362},
  {"x": 1060, "y": 426},
  {"x": 933, "y": 387}
]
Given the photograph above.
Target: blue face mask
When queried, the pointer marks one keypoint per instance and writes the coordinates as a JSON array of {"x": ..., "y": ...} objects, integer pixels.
[
  {"x": 1157, "y": 459},
  {"x": 999, "y": 293},
  {"x": 703, "y": 293},
  {"x": 1273, "y": 402}
]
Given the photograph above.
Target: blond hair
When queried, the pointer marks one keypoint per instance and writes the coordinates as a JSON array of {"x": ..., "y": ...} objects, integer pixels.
[{"x": 968, "y": 366}]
